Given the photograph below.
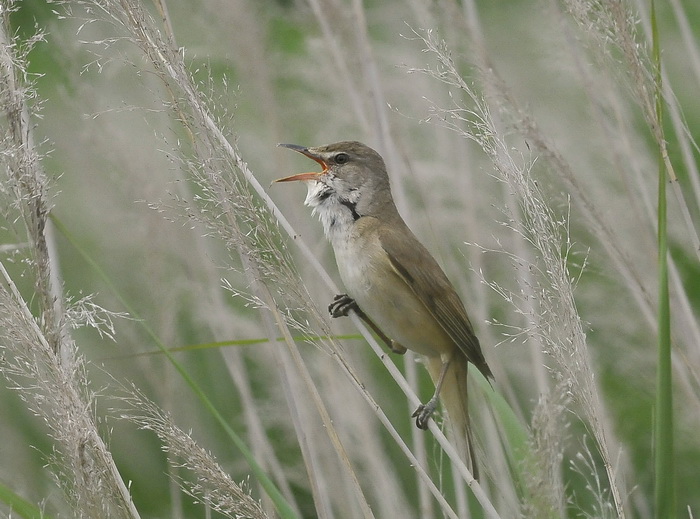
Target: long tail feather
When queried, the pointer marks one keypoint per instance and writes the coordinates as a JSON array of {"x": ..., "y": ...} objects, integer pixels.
[{"x": 454, "y": 399}]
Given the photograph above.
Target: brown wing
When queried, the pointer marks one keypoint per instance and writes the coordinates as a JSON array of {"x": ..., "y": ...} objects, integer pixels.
[{"x": 415, "y": 265}]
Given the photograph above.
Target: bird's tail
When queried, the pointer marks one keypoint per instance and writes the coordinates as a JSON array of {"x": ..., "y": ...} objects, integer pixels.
[{"x": 453, "y": 396}]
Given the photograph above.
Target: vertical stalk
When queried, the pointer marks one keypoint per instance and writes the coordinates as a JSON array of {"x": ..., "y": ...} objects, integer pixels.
[{"x": 663, "y": 427}]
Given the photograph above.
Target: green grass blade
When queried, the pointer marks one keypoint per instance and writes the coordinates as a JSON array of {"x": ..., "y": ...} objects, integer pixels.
[
  {"x": 516, "y": 439},
  {"x": 19, "y": 506},
  {"x": 240, "y": 342},
  {"x": 283, "y": 507},
  {"x": 663, "y": 427}
]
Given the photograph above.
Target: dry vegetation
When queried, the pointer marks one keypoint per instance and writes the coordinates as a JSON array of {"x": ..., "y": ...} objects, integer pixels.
[{"x": 164, "y": 345}]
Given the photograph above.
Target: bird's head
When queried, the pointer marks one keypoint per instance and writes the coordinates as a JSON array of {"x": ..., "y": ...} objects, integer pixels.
[{"x": 353, "y": 175}]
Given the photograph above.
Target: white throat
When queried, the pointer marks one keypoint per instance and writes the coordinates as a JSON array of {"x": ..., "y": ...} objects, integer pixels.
[{"x": 337, "y": 214}]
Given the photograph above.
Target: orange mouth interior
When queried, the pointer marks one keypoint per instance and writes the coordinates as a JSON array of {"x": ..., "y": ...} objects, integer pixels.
[{"x": 313, "y": 175}]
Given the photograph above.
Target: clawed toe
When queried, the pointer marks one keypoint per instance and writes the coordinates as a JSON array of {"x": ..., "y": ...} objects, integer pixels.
[
  {"x": 423, "y": 414},
  {"x": 341, "y": 305}
]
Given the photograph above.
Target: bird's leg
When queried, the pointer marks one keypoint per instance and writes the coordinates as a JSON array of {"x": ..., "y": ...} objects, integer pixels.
[
  {"x": 342, "y": 305},
  {"x": 424, "y": 412}
]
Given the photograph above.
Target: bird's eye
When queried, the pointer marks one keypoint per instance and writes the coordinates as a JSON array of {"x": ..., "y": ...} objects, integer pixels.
[{"x": 341, "y": 158}]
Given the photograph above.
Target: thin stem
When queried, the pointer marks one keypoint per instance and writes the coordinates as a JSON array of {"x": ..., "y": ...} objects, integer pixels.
[{"x": 663, "y": 437}]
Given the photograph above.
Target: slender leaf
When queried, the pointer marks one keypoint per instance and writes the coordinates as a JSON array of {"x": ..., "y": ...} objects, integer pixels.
[{"x": 663, "y": 437}]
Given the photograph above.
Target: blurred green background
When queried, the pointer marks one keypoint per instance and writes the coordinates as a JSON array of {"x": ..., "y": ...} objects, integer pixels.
[{"x": 291, "y": 71}]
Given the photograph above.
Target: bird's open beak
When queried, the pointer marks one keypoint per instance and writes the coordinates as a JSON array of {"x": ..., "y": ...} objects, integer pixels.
[{"x": 314, "y": 175}]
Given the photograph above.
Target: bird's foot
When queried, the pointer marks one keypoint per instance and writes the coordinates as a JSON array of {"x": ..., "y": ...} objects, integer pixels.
[
  {"x": 424, "y": 412},
  {"x": 341, "y": 306}
]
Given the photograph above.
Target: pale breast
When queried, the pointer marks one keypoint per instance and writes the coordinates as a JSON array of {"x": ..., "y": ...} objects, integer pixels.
[{"x": 381, "y": 293}]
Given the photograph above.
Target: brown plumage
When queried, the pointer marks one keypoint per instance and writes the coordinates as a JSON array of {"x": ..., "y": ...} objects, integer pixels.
[{"x": 392, "y": 281}]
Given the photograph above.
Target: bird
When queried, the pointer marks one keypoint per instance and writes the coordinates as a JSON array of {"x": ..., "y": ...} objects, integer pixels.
[{"x": 392, "y": 282}]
